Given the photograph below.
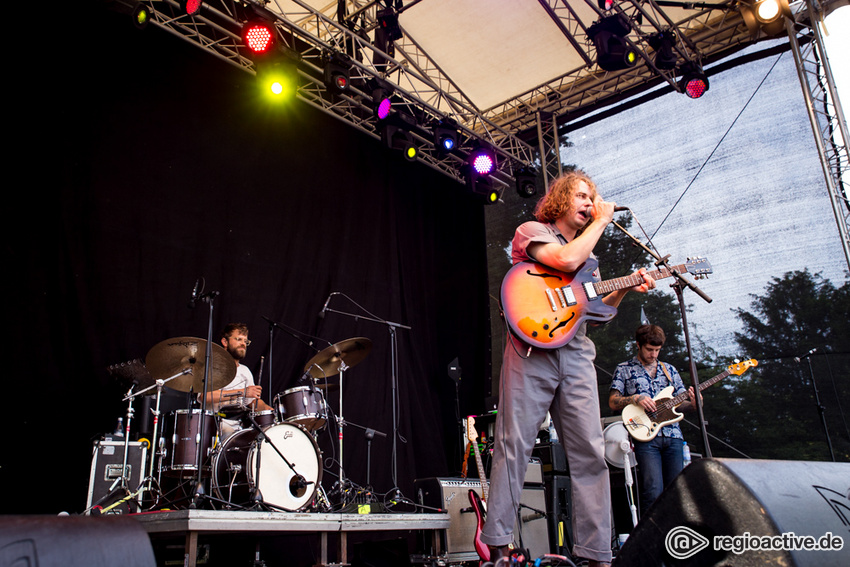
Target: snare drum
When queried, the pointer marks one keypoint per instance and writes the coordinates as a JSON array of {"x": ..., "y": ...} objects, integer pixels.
[
  {"x": 182, "y": 436},
  {"x": 264, "y": 418},
  {"x": 302, "y": 405},
  {"x": 236, "y": 472}
]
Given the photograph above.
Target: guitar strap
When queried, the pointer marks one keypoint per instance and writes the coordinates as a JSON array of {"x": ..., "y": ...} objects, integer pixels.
[{"x": 666, "y": 373}]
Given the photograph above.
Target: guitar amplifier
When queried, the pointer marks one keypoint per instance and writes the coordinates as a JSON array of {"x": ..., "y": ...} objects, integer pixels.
[
  {"x": 106, "y": 464},
  {"x": 452, "y": 495},
  {"x": 552, "y": 458}
]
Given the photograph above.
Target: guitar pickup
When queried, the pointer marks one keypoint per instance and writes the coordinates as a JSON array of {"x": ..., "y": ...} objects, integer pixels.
[
  {"x": 551, "y": 299},
  {"x": 568, "y": 294},
  {"x": 589, "y": 290}
]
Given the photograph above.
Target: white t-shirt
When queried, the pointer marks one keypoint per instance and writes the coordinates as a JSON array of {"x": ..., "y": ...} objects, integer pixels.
[{"x": 243, "y": 379}]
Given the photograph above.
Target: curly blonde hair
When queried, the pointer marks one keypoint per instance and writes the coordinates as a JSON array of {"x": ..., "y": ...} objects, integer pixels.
[{"x": 558, "y": 200}]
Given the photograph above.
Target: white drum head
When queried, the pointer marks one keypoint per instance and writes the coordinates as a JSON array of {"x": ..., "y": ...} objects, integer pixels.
[{"x": 277, "y": 482}]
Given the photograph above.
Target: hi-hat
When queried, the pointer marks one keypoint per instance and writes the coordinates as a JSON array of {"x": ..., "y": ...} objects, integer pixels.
[
  {"x": 173, "y": 356},
  {"x": 328, "y": 362}
]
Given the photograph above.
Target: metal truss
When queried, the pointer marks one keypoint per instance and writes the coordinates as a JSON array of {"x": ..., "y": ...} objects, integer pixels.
[
  {"x": 703, "y": 31},
  {"x": 550, "y": 147},
  {"x": 709, "y": 32},
  {"x": 824, "y": 110}
]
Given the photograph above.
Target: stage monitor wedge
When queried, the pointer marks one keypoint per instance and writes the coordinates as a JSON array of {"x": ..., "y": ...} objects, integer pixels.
[{"x": 725, "y": 511}]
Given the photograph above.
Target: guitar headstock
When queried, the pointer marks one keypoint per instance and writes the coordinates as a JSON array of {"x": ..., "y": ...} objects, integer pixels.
[
  {"x": 698, "y": 267},
  {"x": 471, "y": 434},
  {"x": 741, "y": 367}
]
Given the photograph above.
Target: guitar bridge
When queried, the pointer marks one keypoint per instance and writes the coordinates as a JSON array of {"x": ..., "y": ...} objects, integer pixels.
[{"x": 551, "y": 298}]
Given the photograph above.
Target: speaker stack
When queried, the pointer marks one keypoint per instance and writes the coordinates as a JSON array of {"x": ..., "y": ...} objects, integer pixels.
[{"x": 735, "y": 512}]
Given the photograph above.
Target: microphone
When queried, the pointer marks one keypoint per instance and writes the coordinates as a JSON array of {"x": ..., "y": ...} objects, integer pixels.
[
  {"x": 191, "y": 304},
  {"x": 621, "y": 209},
  {"x": 532, "y": 517},
  {"x": 325, "y": 306},
  {"x": 807, "y": 355}
]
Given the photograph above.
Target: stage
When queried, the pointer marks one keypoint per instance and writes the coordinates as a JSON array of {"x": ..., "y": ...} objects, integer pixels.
[{"x": 194, "y": 526}]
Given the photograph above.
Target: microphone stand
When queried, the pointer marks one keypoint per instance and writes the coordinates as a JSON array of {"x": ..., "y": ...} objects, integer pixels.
[
  {"x": 391, "y": 327},
  {"x": 821, "y": 408},
  {"x": 679, "y": 287},
  {"x": 293, "y": 333},
  {"x": 199, "y": 492}
]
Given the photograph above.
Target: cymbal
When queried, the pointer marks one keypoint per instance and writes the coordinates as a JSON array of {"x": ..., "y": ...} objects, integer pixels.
[
  {"x": 326, "y": 386},
  {"x": 328, "y": 361},
  {"x": 172, "y": 356}
]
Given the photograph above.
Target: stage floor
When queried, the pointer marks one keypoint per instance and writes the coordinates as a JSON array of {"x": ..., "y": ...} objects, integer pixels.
[{"x": 194, "y": 524}]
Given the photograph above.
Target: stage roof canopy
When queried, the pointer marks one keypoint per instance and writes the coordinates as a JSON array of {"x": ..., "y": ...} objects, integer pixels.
[{"x": 498, "y": 69}]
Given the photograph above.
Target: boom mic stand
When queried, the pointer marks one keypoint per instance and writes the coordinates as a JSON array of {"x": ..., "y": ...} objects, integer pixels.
[
  {"x": 199, "y": 492},
  {"x": 391, "y": 327},
  {"x": 292, "y": 332},
  {"x": 679, "y": 286}
]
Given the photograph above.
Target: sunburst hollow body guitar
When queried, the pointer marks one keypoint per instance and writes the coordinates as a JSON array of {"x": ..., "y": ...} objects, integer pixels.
[{"x": 545, "y": 307}]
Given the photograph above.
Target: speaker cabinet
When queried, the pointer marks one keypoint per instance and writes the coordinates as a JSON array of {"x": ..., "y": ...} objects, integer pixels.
[
  {"x": 560, "y": 510},
  {"x": 717, "y": 505},
  {"x": 452, "y": 495},
  {"x": 74, "y": 541},
  {"x": 532, "y": 528}
]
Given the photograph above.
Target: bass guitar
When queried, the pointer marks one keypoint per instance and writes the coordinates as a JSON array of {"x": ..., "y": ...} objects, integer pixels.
[
  {"x": 479, "y": 503},
  {"x": 644, "y": 426},
  {"x": 545, "y": 307}
]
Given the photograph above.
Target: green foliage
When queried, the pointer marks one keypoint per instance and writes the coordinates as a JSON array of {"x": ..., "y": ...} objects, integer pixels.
[{"x": 770, "y": 411}]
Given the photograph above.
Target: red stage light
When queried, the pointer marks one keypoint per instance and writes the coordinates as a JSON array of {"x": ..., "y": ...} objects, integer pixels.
[
  {"x": 259, "y": 37},
  {"x": 191, "y": 7}
]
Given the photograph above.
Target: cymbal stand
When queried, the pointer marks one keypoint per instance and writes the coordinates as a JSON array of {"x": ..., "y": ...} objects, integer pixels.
[
  {"x": 340, "y": 421},
  {"x": 155, "y": 453}
]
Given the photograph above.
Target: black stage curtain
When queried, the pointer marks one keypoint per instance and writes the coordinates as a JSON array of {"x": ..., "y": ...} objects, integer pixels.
[{"x": 148, "y": 164}]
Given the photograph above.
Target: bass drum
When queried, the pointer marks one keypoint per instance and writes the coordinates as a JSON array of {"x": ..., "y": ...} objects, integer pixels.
[{"x": 236, "y": 471}]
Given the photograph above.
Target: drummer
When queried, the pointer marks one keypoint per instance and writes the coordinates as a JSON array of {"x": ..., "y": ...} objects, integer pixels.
[{"x": 241, "y": 391}]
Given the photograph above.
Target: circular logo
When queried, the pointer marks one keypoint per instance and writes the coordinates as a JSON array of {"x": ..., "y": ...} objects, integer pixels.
[{"x": 683, "y": 542}]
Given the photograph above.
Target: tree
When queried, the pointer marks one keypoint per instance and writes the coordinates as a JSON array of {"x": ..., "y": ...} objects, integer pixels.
[{"x": 770, "y": 411}]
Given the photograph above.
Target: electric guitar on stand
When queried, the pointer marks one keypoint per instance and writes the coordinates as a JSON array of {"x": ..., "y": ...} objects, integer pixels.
[
  {"x": 479, "y": 503},
  {"x": 645, "y": 426},
  {"x": 545, "y": 307}
]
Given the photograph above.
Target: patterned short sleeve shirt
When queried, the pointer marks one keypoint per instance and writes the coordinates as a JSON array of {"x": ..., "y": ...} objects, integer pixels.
[{"x": 631, "y": 378}]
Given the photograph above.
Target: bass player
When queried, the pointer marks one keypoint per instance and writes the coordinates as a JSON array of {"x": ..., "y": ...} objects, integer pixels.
[{"x": 638, "y": 381}]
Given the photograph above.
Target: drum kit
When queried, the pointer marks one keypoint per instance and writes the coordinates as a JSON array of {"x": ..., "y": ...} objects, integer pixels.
[{"x": 271, "y": 460}]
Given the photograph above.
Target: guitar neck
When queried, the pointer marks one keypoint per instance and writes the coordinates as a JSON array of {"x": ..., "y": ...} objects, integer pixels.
[
  {"x": 485, "y": 488},
  {"x": 615, "y": 284},
  {"x": 676, "y": 400}
]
